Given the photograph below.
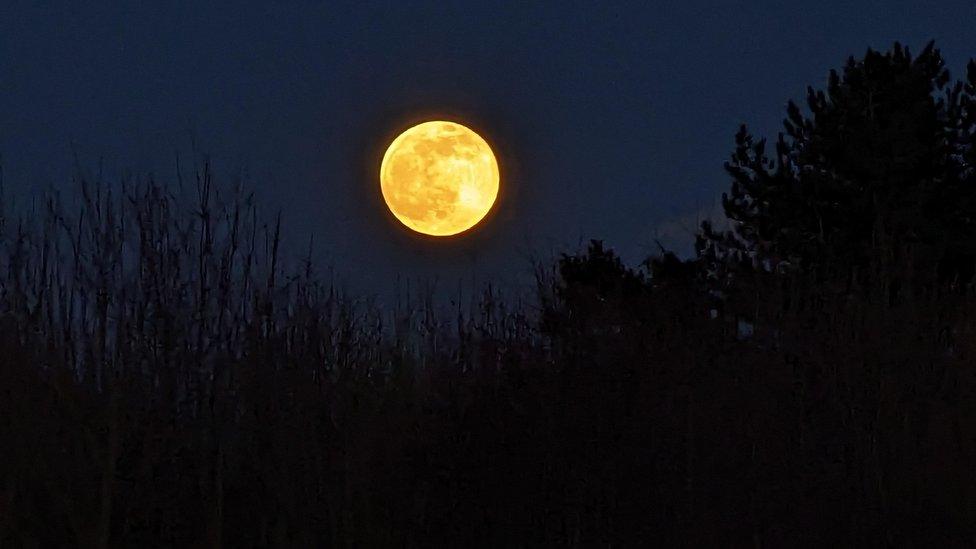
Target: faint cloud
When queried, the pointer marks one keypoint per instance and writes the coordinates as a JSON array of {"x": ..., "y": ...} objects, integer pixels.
[{"x": 677, "y": 234}]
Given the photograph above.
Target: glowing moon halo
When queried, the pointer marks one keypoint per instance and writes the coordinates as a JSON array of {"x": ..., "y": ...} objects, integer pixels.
[{"x": 439, "y": 178}]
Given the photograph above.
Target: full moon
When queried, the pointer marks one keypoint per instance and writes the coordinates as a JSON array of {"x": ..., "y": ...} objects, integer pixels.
[{"x": 439, "y": 178}]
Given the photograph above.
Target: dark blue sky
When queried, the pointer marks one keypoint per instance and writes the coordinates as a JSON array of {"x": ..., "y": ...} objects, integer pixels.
[{"x": 612, "y": 120}]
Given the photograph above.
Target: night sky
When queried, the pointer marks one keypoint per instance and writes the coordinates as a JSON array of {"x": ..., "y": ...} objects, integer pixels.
[{"x": 610, "y": 121}]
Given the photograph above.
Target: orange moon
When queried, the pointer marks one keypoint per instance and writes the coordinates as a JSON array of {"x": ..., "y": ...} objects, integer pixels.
[{"x": 439, "y": 178}]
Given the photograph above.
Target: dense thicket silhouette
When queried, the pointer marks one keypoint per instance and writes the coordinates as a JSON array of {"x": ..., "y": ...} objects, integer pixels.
[{"x": 169, "y": 378}]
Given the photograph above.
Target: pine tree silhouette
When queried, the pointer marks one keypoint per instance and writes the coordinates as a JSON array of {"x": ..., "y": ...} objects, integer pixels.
[{"x": 879, "y": 173}]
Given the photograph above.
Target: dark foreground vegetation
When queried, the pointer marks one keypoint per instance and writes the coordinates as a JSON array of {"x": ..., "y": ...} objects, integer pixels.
[{"x": 807, "y": 379}]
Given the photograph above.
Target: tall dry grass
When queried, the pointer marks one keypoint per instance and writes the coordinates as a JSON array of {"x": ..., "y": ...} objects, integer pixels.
[{"x": 168, "y": 378}]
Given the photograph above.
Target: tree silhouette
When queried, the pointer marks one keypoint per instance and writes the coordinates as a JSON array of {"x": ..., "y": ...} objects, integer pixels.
[{"x": 879, "y": 173}]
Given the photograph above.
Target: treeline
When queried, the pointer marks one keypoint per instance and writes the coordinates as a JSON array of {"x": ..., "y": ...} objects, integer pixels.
[{"x": 807, "y": 379}]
